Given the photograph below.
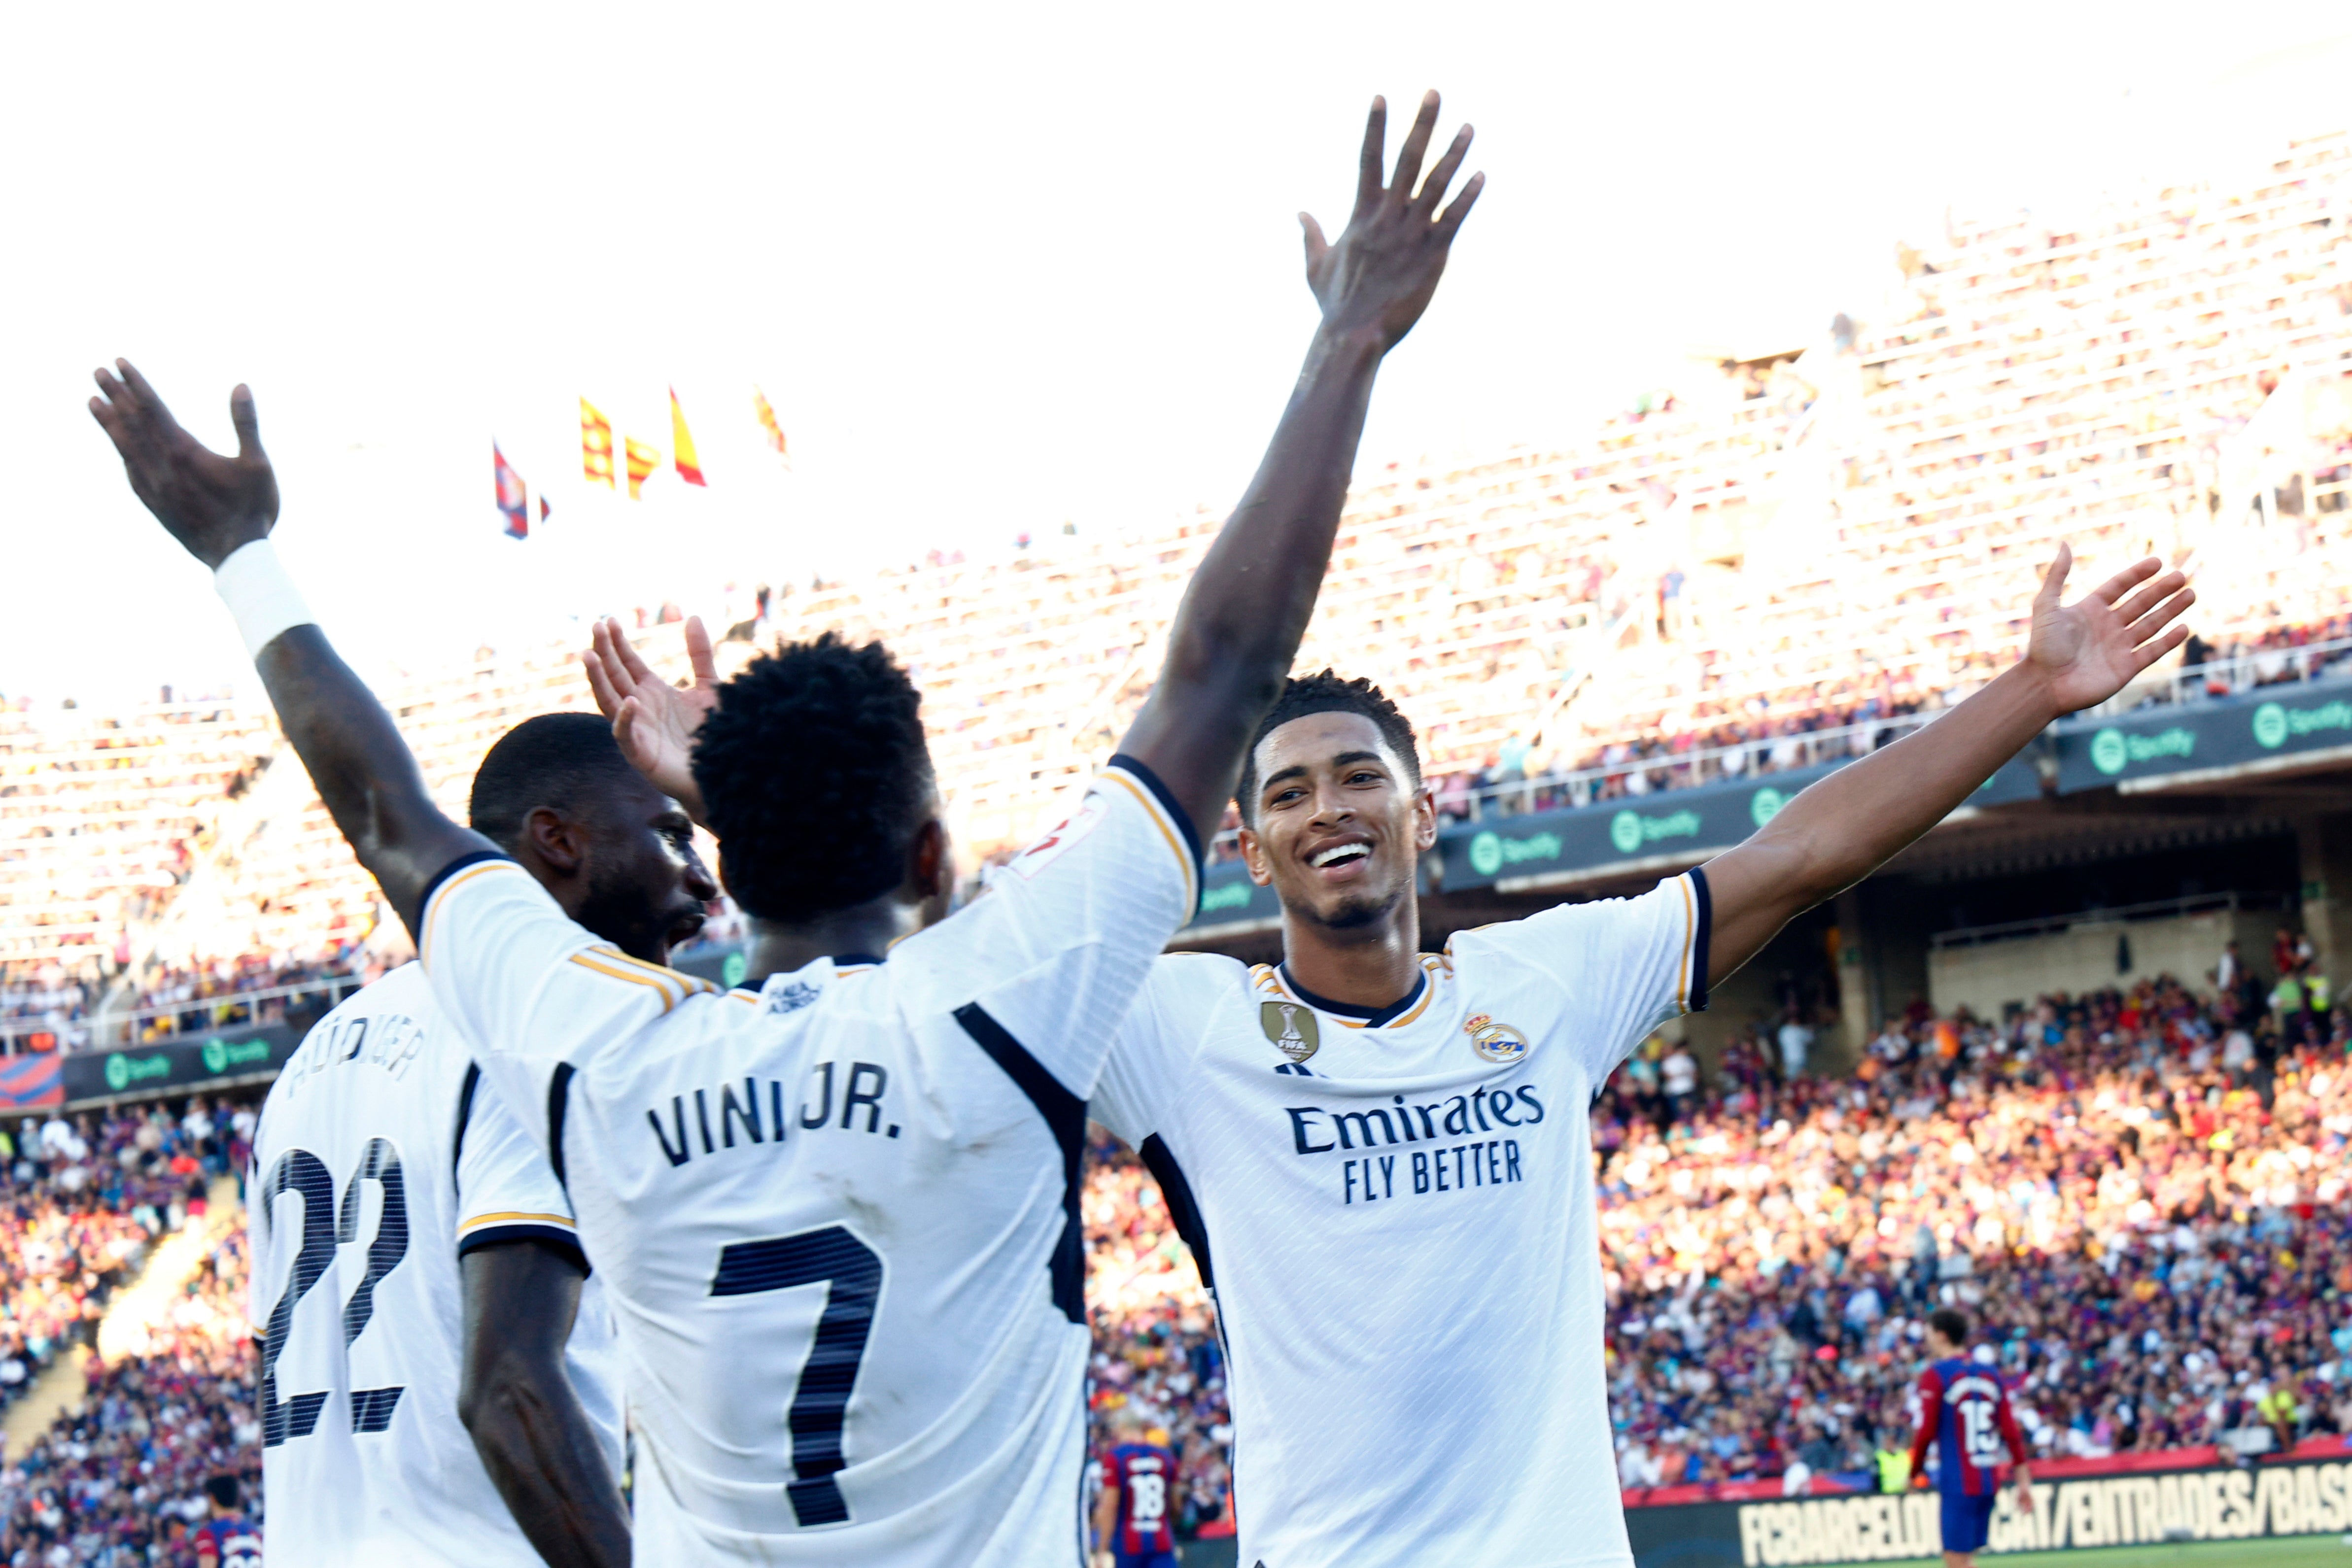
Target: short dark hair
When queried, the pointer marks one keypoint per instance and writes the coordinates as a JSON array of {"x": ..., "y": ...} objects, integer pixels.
[
  {"x": 815, "y": 778},
  {"x": 1325, "y": 691},
  {"x": 554, "y": 759},
  {"x": 224, "y": 1489},
  {"x": 1951, "y": 1322}
]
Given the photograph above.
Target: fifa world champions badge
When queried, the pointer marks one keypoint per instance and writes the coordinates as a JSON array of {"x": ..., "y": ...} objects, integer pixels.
[
  {"x": 1498, "y": 1042},
  {"x": 1291, "y": 1027}
]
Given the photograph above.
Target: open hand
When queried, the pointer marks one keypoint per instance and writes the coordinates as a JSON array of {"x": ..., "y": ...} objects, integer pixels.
[
  {"x": 213, "y": 505},
  {"x": 1382, "y": 272},
  {"x": 2090, "y": 650},
  {"x": 653, "y": 721}
]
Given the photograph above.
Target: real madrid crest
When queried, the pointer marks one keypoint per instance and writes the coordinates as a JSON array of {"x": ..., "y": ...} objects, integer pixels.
[
  {"x": 1498, "y": 1042},
  {"x": 1291, "y": 1027}
]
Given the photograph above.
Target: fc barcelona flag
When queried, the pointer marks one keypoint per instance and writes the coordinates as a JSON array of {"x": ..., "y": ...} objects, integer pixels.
[
  {"x": 512, "y": 501},
  {"x": 681, "y": 442},
  {"x": 595, "y": 445},
  {"x": 643, "y": 461}
]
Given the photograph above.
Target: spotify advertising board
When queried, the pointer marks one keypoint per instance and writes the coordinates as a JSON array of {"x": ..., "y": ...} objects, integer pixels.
[
  {"x": 2223, "y": 731},
  {"x": 177, "y": 1066},
  {"x": 1687, "y": 824}
]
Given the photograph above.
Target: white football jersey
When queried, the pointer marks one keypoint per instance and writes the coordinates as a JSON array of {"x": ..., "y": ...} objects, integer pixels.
[
  {"x": 837, "y": 1217},
  {"x": 378, "y": 1160},
  {"x": 1395, "y": 1211}
]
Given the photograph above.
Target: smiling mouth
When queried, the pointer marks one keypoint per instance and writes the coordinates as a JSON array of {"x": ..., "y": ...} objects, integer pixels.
[
  {"x": 1339, "y": 855},
  {"x": 686, "y": 927}
]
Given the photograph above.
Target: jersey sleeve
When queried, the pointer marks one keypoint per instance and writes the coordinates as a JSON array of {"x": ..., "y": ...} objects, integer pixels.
[
  {"x": 506, "y": 1191},
  {"x": 1627, "y": 965},
  {"x": 533, "y": 993},
  {"x": 1049, "y": 957},
  {"x": 1137, "y": 1091},
  {"x": 1931, "y": 1418}
]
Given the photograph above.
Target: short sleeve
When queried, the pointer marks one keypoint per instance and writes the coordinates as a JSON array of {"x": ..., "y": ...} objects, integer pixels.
[
  {"x": 532, "y": 992},
  {"x": 1055, "y": 949},
  {"x": 1628, "y": 964},
  {"x": 506, "y": 1191},
  {"x": 1135, "y": 1094}
]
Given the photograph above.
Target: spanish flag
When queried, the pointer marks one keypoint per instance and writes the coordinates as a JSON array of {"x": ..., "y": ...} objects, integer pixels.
[
  {"x": 681, "y": 441},
  {"x": 595, "y": 445},
  {"x": 767, "y": 417},
  {"x": 643, "y": 461}
]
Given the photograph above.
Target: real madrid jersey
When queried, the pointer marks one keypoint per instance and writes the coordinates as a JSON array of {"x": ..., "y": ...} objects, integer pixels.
[
  {"x": 378, "y": 1161},
  {"x": 1395, "y": 1211},
  {"x": 838, "y": 1217}
]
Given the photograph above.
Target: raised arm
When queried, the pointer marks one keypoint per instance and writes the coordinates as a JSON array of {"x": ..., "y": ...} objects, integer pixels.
[
  {"x": 1242, "y": 618},
  {"x": 1841, "y": 830},
  {"x": 222, "y": 509}
]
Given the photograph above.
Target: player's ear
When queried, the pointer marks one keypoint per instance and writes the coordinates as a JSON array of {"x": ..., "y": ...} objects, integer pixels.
[
  {"x": 1424, "y": 819},
  {"x": 930, "y": 869},
  {"x": 555, "y": 839},
  {"x": 1261, "y": 870}
]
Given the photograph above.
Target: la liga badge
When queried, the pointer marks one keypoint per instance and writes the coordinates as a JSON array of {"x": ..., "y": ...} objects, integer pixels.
[{"x": 1496, "y": 1042}]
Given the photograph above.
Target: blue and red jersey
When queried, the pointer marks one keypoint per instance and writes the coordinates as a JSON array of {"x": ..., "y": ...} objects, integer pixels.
[
  {"x": 1964, "y": 1411},
  {"x": 1146, "y": 1479},
  {"x": 233, "y": 1539}
]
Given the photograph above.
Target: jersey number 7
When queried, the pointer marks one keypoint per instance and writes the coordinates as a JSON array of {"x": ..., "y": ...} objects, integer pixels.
[
  {"x": 853, "y": 1273},
  {"x": 299, "y": 1171}
]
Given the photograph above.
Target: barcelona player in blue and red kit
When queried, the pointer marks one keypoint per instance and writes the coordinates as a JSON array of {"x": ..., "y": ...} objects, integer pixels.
[
  {"x": 1134, "y": 1520},
  {"x": 226, "y": 1539},
  {"x": 1964, "y": 1410}
]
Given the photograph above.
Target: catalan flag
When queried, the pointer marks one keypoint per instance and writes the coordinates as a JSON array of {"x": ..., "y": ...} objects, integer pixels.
[
  {"x": 681, "y": 442},
  {"x": 767, "y": 417},
  {"x": 643, "y": 461},
  {"x": 595, "y": 445},
  {"x": 513, "y": 501}
]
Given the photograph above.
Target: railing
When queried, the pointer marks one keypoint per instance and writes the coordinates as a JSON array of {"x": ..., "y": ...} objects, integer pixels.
[
  {"x": 2227, "y": 677},
  {"x": 174, "y": 1020},
  {"x": 2157, "y": 909}
]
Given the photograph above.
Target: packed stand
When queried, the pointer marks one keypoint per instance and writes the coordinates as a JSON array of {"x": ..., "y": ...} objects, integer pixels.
[
  {"x": 1155, "y": 1345},
  {"x": 2139, "y": 1195},
  {"x": 120, "y": 1484}
]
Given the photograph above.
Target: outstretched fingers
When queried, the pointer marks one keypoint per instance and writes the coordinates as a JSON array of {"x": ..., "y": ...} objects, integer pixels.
[
  {"x": 1416, "y": 145},
  {"x": 1451, "y": 218},
  {"x": 2150, "y": 595},
  {"x": 2124, "y": 581},
  {"x": 600, "y": 684},
  {"x": 1433, "y": 190},
  {"x": 2156, "y": 650},
  {"x": 698, "y": 653},
  {"x": 248, "y": 427},
  {"x": 1371, "y": 171},
  {"x": 2144, "y": 628},
  {"x": 2053, "y": 582}
]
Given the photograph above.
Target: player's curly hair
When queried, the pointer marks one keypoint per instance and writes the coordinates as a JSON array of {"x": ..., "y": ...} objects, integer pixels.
[
  {"x": 815, "y": 776},
  {"x": 1325, "y": 691}
]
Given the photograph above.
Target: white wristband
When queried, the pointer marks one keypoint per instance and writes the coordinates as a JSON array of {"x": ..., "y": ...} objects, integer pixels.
[{"x": 254, "y": 585}]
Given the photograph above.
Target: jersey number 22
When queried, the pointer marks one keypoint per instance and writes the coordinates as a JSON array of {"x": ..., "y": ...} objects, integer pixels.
[{"x": 301, "y": 1171}]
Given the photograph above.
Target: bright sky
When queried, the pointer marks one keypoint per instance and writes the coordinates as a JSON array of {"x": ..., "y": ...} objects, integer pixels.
[{"x": 996, "y": 268}]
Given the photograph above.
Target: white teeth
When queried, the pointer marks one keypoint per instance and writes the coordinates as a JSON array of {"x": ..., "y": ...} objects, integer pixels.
[{"x": 1337, "y": 854}]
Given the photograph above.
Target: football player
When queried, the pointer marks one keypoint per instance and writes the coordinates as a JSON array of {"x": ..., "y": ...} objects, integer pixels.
[
  {"x": 1965, "y": 1412},
  {"x": 837, "y": 1215},
  {"x": 1381, "y": 1156}
]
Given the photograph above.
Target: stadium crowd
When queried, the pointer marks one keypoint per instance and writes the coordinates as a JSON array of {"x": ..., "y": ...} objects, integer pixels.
[{"x": 2140, "y": 1195}]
